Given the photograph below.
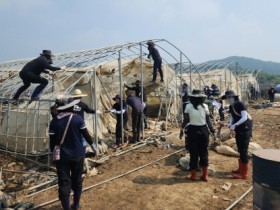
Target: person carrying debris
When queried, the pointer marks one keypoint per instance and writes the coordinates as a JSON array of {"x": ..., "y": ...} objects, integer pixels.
[
  {"x": 197, "y": 114},
  {"x": 157, "y": 61},
  {"x": 137, "y": 112},
  {"x": 119, "y": 113},
  {"x": 240, "y": 123},
  {"x": 271, "y": 94},
  {"x": 81, "y": 107},
  {"x": 30, "y": 73},
  {"x": 66, "y": 144},
  {"x": 138, "y": 92}
]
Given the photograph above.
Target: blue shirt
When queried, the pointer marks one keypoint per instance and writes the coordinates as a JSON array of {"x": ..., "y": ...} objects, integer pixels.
[
  {"x": 73, "y": 143},
  {"x": 135, "y": 103}
]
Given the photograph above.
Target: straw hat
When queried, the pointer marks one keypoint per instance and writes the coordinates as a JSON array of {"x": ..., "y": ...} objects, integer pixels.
[
  {"x": 78, "y": 93},
  {"x": 66, "y": 102},
  {"x": 197, "y": 94}
]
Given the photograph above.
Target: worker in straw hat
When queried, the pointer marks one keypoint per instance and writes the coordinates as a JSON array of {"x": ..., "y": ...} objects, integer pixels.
[
  {"x": 197, "y": 115},
  {"x": 81, "y": 107},
  {"x": 31, "y": 72},
  {"x": 65, "y": 133},
  {"x": 241, "y": 123}
]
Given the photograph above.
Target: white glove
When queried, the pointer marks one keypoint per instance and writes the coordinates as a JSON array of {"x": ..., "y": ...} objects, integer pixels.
[
  {"x": 98, "y": 112},
  {"x": 94, "y": 149},
  {"x": 51, "y": 73},
  {"x": 232, "y": 127},
  {"x": 62, "y": 67}
]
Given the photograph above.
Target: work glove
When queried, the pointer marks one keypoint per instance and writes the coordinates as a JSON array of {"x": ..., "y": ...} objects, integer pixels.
[
  {"x": 98, "y": 112},
  {"x": 62, "y": 67},
  {"x": 51, "y": 73},
  {"x": 181, "y": 134},
  {"x": 212, "y": 130},
  {"x": 232, "y": 127}
]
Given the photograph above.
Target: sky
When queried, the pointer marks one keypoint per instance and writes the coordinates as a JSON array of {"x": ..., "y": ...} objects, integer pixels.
[{"x": 203, "y": 29}]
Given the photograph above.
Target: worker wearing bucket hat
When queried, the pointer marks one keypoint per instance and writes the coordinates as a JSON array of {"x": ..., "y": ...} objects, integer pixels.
[
  {"x": 197, "y": 115},
  {"x": 81, "y": 107},
  {"x": 241, "y": 123},
  {"x": 65, "y": 133},
  {"x": 30, "y": 73}
]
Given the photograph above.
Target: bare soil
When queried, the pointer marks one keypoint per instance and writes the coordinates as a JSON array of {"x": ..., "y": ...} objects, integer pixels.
[{"x": 163, "y": 186}]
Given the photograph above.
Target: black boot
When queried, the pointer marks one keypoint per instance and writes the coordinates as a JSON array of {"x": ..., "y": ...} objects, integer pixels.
[{"x": 138, "y": 137}]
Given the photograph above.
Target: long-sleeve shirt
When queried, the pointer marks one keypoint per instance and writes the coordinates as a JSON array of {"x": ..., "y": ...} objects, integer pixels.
[
  {"x": 138, "y": 91},
  {"x": 82, "y": 107},
  {"x": 73, "y": 143},
  {"x": 38, "y": 65},
  {"x": 135, "y": 103},
  {"x": 154, "y": 53},
  {"x": 119, "y": 111}
]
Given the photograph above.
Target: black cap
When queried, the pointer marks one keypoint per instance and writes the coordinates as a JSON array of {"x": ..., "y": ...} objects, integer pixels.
[{"x": 47, "y": 52}]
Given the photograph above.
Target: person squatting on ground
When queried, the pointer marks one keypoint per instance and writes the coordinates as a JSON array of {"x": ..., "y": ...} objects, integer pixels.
[
  {"x": 138, "y": 92},
  {"x": 157, "y": 61},
  {"x": 137, "y": 112},
  {"x": 71, "y": 162},
  {"x": 119, "y": 113},
  {"x": 241, "y": 124},
  {"x": 30, "y": 73},
  {"x": 185, "y": 101},
  {"x": 197, "y": 114}
]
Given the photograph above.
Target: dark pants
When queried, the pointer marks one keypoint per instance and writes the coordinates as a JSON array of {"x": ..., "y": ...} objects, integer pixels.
[
  {"x": 198, "y": 140},
  {"x": 119, "y": 129},
  {"x": 69, "y": 172},
  {"x": 242, "y": 142},
  {"x": 157, "y": 66},
  {"x": 29, "y": 78},
  {"x": 144, "y": 117},
  {"x": 136, "y": 124},
  {"x": 271, "y": 98},
  {"x": 221, "y": 114}
]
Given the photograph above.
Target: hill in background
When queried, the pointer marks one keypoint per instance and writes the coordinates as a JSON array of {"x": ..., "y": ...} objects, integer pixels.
[{"x": 251, "y": 63}]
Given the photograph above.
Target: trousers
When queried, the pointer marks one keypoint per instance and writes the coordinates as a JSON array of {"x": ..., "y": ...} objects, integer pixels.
[
  {"x": 198, "y": 141},
  {"x": 157, "y": 67},
  {"x": 28, "y": 78},
  {"x": 69, "y": 172},
  {"x": 242, "y": 142}
]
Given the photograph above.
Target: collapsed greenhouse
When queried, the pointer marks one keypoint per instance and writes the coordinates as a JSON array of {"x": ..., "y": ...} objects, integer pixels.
[{"x": 102, "y": 73}]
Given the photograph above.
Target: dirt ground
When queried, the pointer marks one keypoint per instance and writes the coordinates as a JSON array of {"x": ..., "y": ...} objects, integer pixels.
[{"x": 163, "y": 186}]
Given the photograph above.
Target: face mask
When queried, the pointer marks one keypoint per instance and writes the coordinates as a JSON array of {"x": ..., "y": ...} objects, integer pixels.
[{"x": 230, "y": 100}]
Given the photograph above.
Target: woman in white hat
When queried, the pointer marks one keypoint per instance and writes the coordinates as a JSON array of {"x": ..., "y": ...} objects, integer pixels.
[
  {"x": 197, "y": 115},
  {"x": 65, "y": 132},
  {"x": 81, "y": 107}
]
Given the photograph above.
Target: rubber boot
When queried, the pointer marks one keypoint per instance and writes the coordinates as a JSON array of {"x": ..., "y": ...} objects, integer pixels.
[
  {"x": 193, "y": 175},
  {"x": 204, "y": 176},
  {"x": 243, "y": 172},
  {"x": 237, "y": 171}
]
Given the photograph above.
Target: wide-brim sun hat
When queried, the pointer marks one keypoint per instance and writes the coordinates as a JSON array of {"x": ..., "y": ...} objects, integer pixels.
[
  {"x": 229, "y": 93},
  {"x": 67, "y": 102},
  {"x": 47, "y": 52},
  {"x": 78, "y": 93},
  {"x": 197, "y": 94}
]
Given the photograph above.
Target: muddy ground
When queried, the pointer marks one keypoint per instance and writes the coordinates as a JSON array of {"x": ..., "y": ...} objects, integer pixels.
[{"x": 163, "y": 186}]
